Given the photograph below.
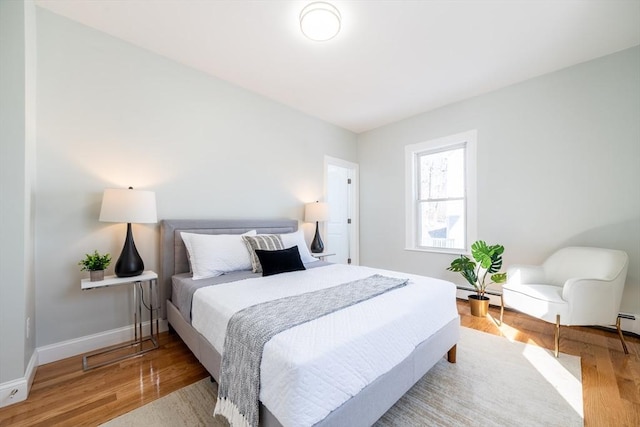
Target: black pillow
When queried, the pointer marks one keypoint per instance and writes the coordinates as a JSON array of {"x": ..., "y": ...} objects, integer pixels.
[{"x": 280, "y": 261}]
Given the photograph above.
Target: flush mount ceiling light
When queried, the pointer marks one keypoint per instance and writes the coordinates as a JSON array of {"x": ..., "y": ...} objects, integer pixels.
[{"x": 320, "y": 21}]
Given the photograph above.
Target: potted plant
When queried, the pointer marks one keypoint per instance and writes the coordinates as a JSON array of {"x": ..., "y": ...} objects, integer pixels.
[
  {"x": 95, "y": 264},
  {"x": 480, "y": 273}
]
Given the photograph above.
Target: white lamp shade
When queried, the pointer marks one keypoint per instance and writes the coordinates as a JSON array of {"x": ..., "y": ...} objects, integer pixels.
[
  {"x": 127, "y": 205},
  {"x": 320, "y": 21},
  {"x": 316, "y": 211}
]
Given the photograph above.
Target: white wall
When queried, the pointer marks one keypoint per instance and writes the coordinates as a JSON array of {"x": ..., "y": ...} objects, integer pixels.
[
  {"x": 558, "y": 165},
  {"x": 113, "y": 115},
  {"x": 17, "y": 156}
]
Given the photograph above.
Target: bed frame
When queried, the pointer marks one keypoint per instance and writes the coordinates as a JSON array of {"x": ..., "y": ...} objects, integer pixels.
[{"x": 363, "y": 409}]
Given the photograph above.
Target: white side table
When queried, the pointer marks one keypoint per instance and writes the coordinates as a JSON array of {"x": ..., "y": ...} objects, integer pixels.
[
  {"x": 322, "y": 255},
  {"x": 140, "y": 344}
]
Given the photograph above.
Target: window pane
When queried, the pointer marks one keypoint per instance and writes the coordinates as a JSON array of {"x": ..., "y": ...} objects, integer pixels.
[
  {"x": 442, "y": 224},
  {"x": 441, "y": 174}
]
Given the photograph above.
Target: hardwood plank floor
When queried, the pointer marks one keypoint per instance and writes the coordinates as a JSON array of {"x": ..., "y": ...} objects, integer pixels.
[{"x": 64, "y": 395}]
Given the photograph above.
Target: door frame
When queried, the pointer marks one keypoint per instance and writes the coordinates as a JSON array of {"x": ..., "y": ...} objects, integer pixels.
[{"x": 354, "y": 202}]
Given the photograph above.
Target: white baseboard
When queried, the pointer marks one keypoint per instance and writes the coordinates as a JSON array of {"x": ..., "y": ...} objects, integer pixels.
[
  {"x": 464, "y": 294},
  {"x": 18, "y": 390},
  {"x": 627, "y": 325},
  {"x": 62, "y": 350}
]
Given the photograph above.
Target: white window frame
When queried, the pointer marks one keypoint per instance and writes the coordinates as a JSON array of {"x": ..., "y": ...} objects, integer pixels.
[{"x": 469, "y": 141}]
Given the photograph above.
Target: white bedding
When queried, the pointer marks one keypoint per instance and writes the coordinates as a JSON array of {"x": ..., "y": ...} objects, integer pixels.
[{"x": 310, "y": 370}]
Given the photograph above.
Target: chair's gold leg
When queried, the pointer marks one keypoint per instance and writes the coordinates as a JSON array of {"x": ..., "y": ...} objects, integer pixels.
[
  {"x": 624, "y": 344},
  {"x": 501, "y": 309},
  {"x": 557, "y": 337}
]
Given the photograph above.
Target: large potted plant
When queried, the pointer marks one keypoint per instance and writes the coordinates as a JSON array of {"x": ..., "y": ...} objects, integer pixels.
[
  {"x": 480, "y": 273},
  {"x": 95, "y": 264}
]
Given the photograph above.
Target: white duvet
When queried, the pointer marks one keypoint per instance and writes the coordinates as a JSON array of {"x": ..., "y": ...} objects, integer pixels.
[{"x": 311, "y": 369}]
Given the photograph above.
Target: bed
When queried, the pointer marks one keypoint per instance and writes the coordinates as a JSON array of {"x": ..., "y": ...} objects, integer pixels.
[{"x": 362, "y": 408}]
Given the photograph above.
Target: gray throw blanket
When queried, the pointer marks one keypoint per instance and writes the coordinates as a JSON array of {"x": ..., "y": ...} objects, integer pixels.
[{"x": 250, "y": 329}]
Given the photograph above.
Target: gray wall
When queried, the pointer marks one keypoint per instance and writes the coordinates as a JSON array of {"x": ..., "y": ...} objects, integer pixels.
[
  {"x": 558, "y": 164},
  {"x": 113, "y": 115},
  {"x": 17, "y": 156}
]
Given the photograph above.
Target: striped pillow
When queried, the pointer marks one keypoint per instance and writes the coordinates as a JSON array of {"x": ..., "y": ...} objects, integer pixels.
[{"x": 267, "y": 242}]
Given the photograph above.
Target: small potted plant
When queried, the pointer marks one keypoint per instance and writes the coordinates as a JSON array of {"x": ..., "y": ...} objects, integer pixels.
[
  {"x": 95, "y": 264},
  {"x": 488, "y": 261}
]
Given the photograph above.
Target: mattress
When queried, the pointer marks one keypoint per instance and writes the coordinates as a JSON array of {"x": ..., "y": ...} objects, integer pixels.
[
  {"x": 310, "y": 370},
  {"x": 183, "y": 286}
]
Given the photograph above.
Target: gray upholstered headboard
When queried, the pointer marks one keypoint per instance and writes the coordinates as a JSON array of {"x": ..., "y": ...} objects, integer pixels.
[{"x": 173, "y": 254}]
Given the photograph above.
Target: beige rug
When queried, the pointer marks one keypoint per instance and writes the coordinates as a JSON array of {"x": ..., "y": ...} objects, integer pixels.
[{"x": 494, "y": 383}]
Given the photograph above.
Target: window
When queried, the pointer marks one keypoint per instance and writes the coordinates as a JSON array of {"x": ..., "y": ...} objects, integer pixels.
[{"x": 441, "y": 194}]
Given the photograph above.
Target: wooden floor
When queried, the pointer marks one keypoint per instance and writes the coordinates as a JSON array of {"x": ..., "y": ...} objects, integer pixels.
[{"x": 62, "y": 394}]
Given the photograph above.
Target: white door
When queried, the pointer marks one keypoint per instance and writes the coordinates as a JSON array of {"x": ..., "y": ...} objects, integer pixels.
[{"x": 341, "y": 183}]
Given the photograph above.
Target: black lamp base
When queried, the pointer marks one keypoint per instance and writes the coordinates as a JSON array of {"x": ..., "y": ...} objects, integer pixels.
[
  {"x": 317, "y": 246},
  {"x": 129, "y": 263}
]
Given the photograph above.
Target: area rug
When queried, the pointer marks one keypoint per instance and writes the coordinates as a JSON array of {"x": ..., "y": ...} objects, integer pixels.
[{"x": 495, "y": 382}]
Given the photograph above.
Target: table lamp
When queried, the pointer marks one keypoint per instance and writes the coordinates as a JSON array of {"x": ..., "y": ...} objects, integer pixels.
[
  {"x": 316, "y": 212},
  {"x": 130, "y": 206}
]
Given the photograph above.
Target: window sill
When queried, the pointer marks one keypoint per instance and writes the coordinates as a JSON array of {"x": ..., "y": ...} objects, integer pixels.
[{"x": 439, "y": 251}]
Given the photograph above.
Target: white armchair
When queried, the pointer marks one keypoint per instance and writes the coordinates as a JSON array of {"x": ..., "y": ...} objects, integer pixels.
[{"x": 574, "y": 286}]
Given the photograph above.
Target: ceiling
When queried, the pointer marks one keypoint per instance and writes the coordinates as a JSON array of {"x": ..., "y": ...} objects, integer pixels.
[{"x": 392, "y": 59}]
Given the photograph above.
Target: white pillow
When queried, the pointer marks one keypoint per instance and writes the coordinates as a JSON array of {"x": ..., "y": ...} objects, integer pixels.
[
  {"x": 213, "y": 255},
  {"x": 297, "y": 239}
]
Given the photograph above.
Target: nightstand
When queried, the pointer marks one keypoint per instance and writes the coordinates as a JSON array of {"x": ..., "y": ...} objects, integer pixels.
[
  {"x": 322, "y": 255},
  {"x": 140, "y": 344}
]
